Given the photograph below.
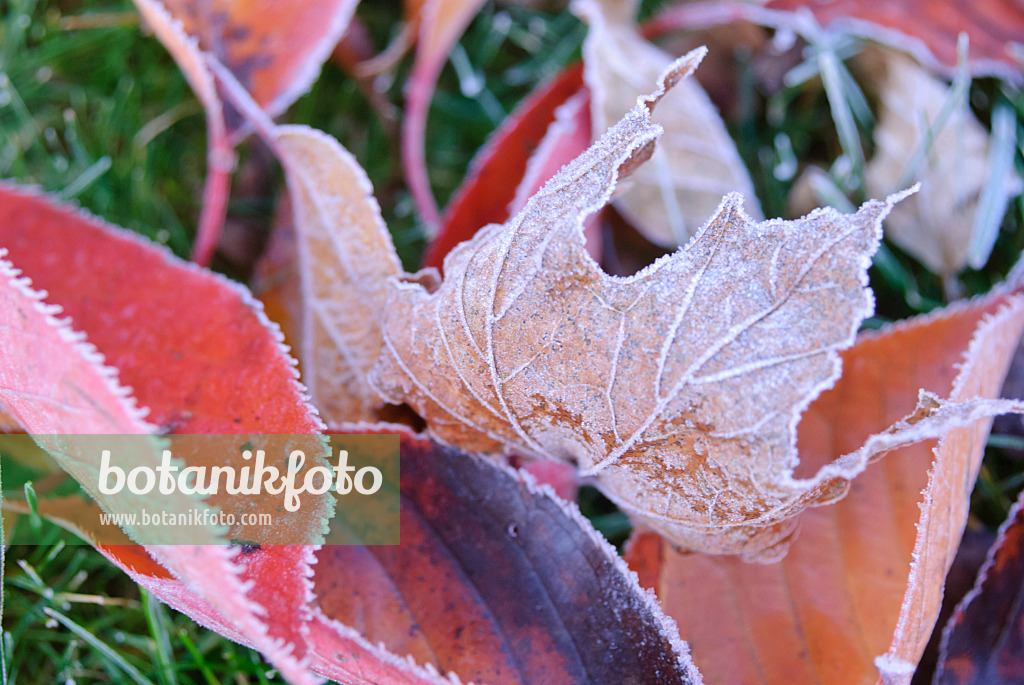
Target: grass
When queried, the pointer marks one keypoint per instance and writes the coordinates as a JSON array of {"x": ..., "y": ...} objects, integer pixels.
[{"x": 94, "y": 110}]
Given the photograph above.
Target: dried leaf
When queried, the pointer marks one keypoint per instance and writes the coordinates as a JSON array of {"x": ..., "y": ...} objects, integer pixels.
[
  {"x": 441, "y": 22},
  {"x": 696, "y": 161},
  {"x": 984, "y": 641},
  {"x": 678, "y": 388},
  {"x": 928, "y": 29},
  {"x": 485, "y": 195},
  {"x": 937, "y": 225},
  {"x": 865, "y": 574},
  {"x": 345, "y": 257}
]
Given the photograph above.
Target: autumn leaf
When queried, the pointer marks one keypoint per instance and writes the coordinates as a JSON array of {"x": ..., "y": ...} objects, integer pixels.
[
  {"x": 950, "y": 156},
  {"x": 491, "y": 554},
  {"x": 668, "y": 386},
  {"x": 695, "y": 163},
  {"x": 197, "y": 354},
  {"x": 345, "y": 256},
  {"x": 501, "y": 562},
  {"x": 865, "y": 576},
  {"x": 984, "y": 640},
  {"x": 275, "y": 50},
  {"x": 440, "y": 23},
  {"x": 498, "y": 581},
  {"x": 928, "y": 29}
]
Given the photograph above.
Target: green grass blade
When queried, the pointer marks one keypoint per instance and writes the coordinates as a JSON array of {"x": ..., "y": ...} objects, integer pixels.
[{"x": 112, "y": 656}]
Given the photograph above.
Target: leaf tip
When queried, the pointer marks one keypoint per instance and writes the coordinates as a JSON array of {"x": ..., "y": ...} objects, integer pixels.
[
  {"x": 896, "y": 198},
  {"x": 673, "y": 74}
]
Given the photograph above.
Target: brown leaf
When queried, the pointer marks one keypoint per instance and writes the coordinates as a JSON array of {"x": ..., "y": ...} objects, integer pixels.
[
  {"x": 938, "y": 224},
  {"x": 695, "y": 163},
  {"x": 678, "y": 388},
  {"x": 861, "y": 578},
  {"x": 984, "y": 641}
]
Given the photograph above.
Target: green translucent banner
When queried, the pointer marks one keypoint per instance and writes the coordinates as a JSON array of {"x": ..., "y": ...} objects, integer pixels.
[{"x": 204, "y": 489}]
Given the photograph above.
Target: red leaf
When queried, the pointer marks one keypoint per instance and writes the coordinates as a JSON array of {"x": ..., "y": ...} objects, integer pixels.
[
  {"x": 198, "y": 353},
  {"x": 499, "y": 582},
  {"x": 929, "y": 29}
]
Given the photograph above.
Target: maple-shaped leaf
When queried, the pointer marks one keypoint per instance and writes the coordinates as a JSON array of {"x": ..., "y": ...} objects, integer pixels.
[
  {"x": 865, "y": 577},
  {"x": 679, "y": 387},
  {"x": 695, "y": 163}
]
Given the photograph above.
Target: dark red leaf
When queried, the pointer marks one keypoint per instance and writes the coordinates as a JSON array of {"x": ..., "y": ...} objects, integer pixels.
[
  {"x": 984, "y": 642},
  {"x": 498, "y": 582}
]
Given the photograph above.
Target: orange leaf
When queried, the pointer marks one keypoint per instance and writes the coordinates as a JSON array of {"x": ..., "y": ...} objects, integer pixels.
[{"x": 859, "y": 580}]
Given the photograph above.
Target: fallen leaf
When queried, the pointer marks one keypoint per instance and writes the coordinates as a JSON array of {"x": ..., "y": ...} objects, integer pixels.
[
  {"x": 678, "y": 388},
  {"x": 937, "y": 226},
  {"x": 274, "y": 49},
  {"x": 559, "y": 603},
  {"x": 345, "y": 256},
  {"x": 866, "y": 574},
  {"x": 499, "y": 582},
  {"x": 496, "y": 580},
  {"x": 928, "y": 29},
  {"x": 695, "y": 163},
  {"x": 441, "y": 22},
  {"x": 984, "y": 640},
  {"x": 485, "y": 195},
  {"x": 195, "y": 350}
]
